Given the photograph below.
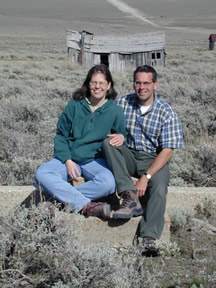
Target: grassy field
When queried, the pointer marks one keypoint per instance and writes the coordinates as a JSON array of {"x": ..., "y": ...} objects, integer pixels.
[{"x": 36, "y": 83}]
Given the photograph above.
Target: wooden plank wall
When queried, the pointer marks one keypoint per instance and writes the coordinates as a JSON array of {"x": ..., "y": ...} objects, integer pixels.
[{"x": 118, "y": 61}]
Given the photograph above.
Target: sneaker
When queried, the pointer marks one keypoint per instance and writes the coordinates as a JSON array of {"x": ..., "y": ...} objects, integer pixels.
[
  {"x": 130, "y": 206},
  {"x": 98, "y": 209},
  {"x": 149, "y": 247}
]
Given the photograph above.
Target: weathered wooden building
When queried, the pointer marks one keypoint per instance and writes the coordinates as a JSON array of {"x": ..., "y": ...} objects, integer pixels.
[
  {"x": 212, "y": 40},
  {"x": 118, "y": 52}
]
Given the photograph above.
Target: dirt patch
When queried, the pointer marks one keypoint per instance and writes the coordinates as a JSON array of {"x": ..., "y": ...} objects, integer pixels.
[{"x": 195, "y": 263}]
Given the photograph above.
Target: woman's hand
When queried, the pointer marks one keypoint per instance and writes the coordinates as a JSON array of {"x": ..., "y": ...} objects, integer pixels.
[
  {"x": 116, "y": 139},
  {"x": 72, "y": 170}
]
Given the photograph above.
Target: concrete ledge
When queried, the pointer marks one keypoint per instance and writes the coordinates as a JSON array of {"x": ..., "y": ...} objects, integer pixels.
[
  {"x": 92, "y": 230},
  {"x": 188, "y": 197},
  {"x": 115, "y": 233},
  {"x": 177, "y": 197}
]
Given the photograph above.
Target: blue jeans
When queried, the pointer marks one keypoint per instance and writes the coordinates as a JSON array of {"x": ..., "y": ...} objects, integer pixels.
[{"x": 52, "y": 177}]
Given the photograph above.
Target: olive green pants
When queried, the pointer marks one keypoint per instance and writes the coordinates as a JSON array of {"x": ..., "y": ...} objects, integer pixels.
[{"x": 124, "y": 163}]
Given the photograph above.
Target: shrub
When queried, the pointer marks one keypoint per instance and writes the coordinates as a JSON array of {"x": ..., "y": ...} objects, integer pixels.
[
  {"x": 194, "y": 165},
  {"x": 41, "y": 252},
  {"x": 206, "y": 208},
  {"x": 20, "y": 171},
  {"x": 179, "y": 219}
]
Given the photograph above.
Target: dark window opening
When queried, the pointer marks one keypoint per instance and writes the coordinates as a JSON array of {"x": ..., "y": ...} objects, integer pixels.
[
  {"x": 158, "y": 55},
  {"x": 105, "y": 59},
  {"x": 153, "y": 55}
]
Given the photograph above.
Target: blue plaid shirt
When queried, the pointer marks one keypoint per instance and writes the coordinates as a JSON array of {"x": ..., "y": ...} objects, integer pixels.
[{"x": 156, "y": 129}]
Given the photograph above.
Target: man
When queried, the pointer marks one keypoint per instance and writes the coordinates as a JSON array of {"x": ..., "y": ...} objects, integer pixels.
[{"x": 153, "y": 132}]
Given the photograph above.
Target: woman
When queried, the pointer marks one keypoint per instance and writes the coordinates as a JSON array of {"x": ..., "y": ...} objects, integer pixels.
[{"x": 89, "y": 118}]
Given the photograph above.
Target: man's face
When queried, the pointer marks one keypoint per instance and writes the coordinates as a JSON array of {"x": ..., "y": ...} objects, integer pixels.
[{"x": 144, "y": 88}]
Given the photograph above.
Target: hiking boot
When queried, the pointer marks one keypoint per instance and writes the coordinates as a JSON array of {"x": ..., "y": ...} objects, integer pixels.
[
  {"x": 98, "y": 209},
  {"x": 150, "y": 248},
  {"x": 130, "y": 206}
]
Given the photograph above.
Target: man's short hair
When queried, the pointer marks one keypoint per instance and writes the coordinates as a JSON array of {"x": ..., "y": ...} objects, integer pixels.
[{"x": 146, "y": 69}]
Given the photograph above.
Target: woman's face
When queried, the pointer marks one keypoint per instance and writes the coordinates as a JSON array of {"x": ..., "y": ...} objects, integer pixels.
[{"x": 98, "y": 86}]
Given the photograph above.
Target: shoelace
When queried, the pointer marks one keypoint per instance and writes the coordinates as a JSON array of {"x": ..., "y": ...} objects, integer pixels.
[{"x": 126, "y": 199}]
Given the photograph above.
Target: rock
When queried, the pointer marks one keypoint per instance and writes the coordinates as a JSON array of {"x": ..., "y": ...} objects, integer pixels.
[{"x": 203, "y": 225}]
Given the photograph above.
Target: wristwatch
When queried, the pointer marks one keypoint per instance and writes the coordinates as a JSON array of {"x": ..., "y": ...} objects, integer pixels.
[{"x": 148, "y": 176}]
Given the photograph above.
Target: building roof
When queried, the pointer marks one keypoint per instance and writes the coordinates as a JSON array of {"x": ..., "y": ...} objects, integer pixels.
[{"x": 124, "y": 44}]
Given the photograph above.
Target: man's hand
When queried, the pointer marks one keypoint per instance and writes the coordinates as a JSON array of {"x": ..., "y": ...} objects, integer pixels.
[
  {"x": 141, "y": 186},
  {"x": 162, "y": 158},
  {"x": 116, "y": 139},
  {"x": 72, "y": 170}
]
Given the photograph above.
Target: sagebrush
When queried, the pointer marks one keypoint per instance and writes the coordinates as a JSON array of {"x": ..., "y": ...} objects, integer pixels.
[{"x": 40, "y": 248}]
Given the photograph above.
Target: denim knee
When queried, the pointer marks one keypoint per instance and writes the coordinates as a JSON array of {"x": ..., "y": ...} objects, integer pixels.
[
  {"x": 111, "y": 185},
  {"x": 107, "y": 182},
  {"x": 39, "y": 175}
]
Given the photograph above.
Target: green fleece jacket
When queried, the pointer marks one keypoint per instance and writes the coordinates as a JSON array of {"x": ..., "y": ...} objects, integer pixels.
[{"x": 80, "y": 132}]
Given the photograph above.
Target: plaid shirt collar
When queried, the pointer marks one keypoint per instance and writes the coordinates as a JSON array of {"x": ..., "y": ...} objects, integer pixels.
[
  {"x": 133, "y": 101},
  {"x": 155, "y": 129}
]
